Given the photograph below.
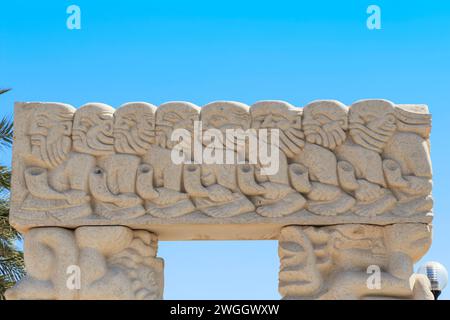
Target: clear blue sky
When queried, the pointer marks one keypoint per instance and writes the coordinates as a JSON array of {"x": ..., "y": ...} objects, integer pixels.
[{"x": 201, "y": 51}]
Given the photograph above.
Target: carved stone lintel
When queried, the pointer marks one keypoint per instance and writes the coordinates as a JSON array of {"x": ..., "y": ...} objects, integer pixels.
[{"x": 365, "y": 163}]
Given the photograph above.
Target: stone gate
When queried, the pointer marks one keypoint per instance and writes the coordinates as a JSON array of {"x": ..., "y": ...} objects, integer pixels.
[{"x": 94, "y": 189}]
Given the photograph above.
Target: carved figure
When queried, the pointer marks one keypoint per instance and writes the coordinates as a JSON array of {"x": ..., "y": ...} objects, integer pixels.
[
  {"x": 112, "y": 181},
  {"x": 90, "y": 263},
  {"x": 214, "y": 187},
  {"x": 360, "y": 169},
  {"x": 407, "y": 163},
  {"x": 273, "y": 195},
  {"x": 324, "y": 124},
  {"x": 57, "y": 181},
  {"x": 333, "y": 262},
  {"x": 170, "y": 199}
]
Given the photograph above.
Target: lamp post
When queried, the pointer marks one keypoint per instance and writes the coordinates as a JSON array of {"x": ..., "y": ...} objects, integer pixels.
[{"x": 437, "y": 274}]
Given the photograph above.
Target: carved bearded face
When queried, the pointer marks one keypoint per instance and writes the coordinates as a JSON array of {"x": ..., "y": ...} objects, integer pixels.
[
  {"x": 93, "y": 129},
  {"x": 372, "y": 123},
  {"x": 225, "y": 116},
  {"x": 284, "y": 117},
  {"x": 325, "y": 122},
  {"x": 134, "y": 125},
  {"x": 172, "y": 116},
  {"x": 49, "y": 132}
]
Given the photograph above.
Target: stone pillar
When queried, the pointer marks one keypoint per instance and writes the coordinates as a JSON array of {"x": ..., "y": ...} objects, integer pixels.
[
  {"x": 353, "y": 261},
  {"x": 90, "y": 262}
]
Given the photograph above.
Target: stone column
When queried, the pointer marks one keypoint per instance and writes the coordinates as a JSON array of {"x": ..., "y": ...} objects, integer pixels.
[
  {"x": 90, "y": 262},
  {"x": 353, "y": 261}
]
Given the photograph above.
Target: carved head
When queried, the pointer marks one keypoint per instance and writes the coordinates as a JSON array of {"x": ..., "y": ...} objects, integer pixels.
[
  {"x": 372, "y": 123},
  {"x": 357, "y": 245},
  {"x": 413, "y": 118},
  {"x": 411, "y": 239},
  {"x": 175, "y": 115},
  {"x": 325, "y": 122},
  {"x": 93, "y": 129},
  {"x": 284, "y": 117},
  {"x": 225, "y": 115},
  {"x": 50, "y": 130},
  {"x": 134, "y": 125}
]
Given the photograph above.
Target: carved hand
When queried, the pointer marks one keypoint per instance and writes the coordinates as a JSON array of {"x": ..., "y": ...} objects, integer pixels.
[
  {"x": 217, "y": 193},
  {"x": 127, "y": 200},
  {"x": 274, "y": 191},
  {"x": 323, "y": 192},
  {"x": 76, "y": 196},
  {"x": 418, "y": 185},
  {"x": 367, "y": 191},
  {"x": 169, "y": 196}
]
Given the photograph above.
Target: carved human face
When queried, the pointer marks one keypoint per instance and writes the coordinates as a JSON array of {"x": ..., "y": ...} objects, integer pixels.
[
  {"x": 284, "y": 117},
  {"x": 225, "y": 116},
  {"x": 357, "y": 245},
  {"x": 93, "y": 129},
  {"x": 172, "y": 116},
  {"x": 49, "y": 132},
  {"x": 134, "y": 128},
  {"x": 325, "y": 122},
  {"x": 372, "y": 123}
]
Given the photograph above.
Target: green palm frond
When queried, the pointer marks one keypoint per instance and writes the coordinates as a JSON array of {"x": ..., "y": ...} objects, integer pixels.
[
  {"x": 6, "y": 132},
  {"x": 5, "y": 178},
  {"x": 11, "y": 259},
  {"x": 7, "y": 232}
]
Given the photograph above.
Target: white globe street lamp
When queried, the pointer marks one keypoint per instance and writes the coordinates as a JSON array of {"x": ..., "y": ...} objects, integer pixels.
[{"x": 437, "y": 274}]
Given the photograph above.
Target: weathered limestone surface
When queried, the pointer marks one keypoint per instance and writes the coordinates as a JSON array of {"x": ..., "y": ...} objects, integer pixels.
[
  {"x": 352, "y": 189},
  {"x": 106, "y": 262},
  {"x": 337, "y": 262},
  {"x": 367, "y": 163}
]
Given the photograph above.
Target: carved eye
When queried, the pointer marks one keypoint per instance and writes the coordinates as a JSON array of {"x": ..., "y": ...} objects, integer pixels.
[
  {"x": 66, "y": 127},
  {"x": 217, "y": 120},
  {"x": 172, "y": 117},
  {"x": 322, "y": 119},
  {"x": 86, "y": 122},
  {"x": 390, "y": 118},
  {"x": 260, "y": 119},
  {"x": 277, "y": 118},
  {"x": 128, "y": 121},
  {"x": 41, "y": 121}
]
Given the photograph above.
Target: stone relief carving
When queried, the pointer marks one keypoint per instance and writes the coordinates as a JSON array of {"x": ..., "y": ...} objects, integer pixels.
[
  {"x": 214, "y": 187},
  {"x": 273, "y": 195},
  {"x": 365, "y": 162},
  {"x": 352, "y": 190},
  {"x": 360, "y": 168},
  {"x": 334, "y": 262},
  {"x": 112, "y": 181},
  {"x": 57, "y": 181},
  {"x": 107, "y": 263},
  {"x": 324, "y": 124}
]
